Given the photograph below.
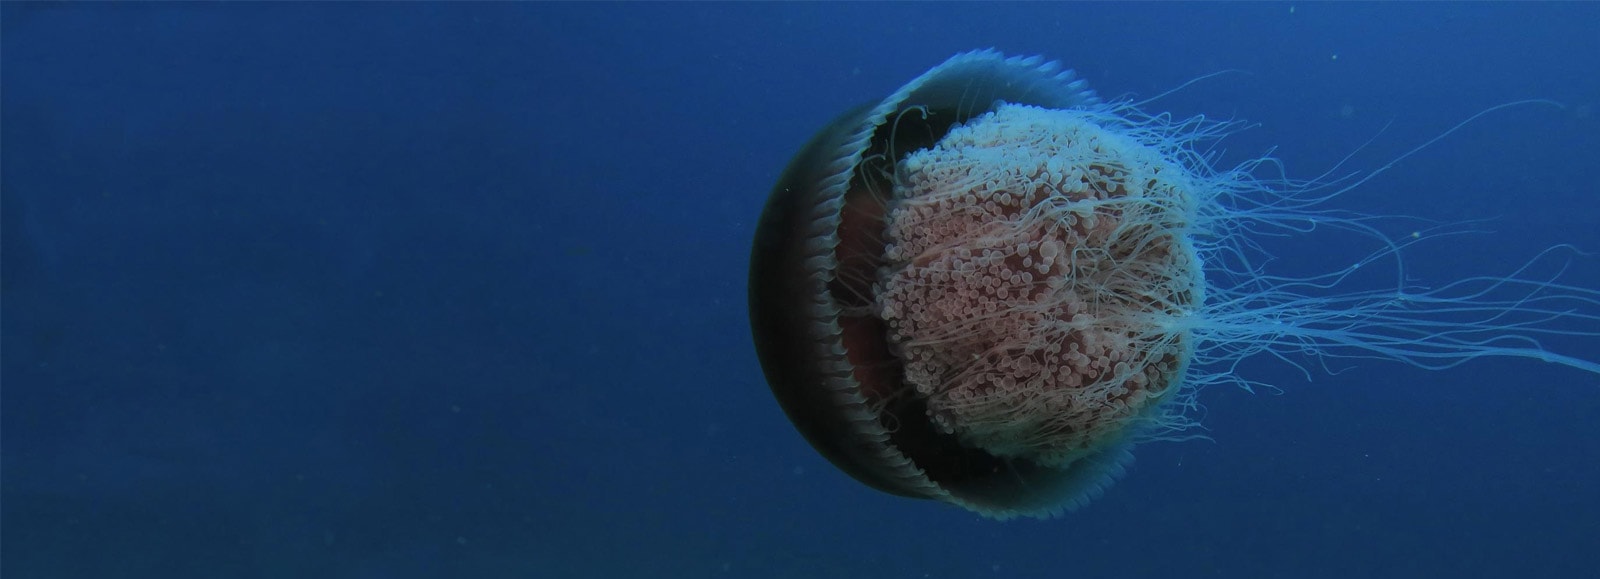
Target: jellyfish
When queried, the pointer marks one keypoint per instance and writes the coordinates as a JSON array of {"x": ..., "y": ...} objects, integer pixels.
[{"x": 989, "y": 287}]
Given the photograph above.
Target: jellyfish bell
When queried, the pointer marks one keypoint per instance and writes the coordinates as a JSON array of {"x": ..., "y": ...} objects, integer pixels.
[
  {"x": 922, "y": 301},
  {"x": 988, "y": 287}
]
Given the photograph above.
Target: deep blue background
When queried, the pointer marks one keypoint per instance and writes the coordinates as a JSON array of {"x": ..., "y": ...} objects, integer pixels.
[{"x": 370, "y": 291}]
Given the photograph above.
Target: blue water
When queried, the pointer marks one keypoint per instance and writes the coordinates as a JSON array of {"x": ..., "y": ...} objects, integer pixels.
[{"x": 395, "y": 291}]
